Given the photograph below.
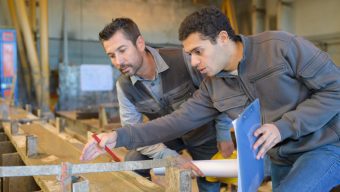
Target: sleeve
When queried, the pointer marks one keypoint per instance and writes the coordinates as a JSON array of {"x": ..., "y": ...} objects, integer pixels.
[
  {"x": 223, "y": 124},
  {"x": 195, "y": 112},
  {"x": 127, "y": 111},
  {"x": 157, "y": 151},
  {"x": 130, "y": 116},
  {"x": 315, "y": 70}
]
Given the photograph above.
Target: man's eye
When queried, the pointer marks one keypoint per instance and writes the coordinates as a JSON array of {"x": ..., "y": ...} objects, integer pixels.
[{"x": 197, "y": 52}]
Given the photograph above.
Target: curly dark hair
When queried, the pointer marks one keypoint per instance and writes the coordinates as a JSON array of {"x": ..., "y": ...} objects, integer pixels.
[
  {"x": 126, "y": 25},
  {"x": 209, "y": 22}
]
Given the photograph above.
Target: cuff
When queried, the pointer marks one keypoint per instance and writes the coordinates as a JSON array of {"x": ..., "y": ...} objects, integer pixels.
[
  {"x": 285, "y": 129},
  {"x": 223, "y": 135},
  {"x": 123, "y": 138},
  {"x": 167, "y": 153}
]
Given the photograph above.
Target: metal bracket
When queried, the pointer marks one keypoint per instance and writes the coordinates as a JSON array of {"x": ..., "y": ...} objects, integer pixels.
[
  {"x": 66, "y": 177},
  {"x": 80, "y": 184},
  {"x": 39, "y": 114},
  {"x": 14, "y": 127},
  {"x": 60, "y": 124},
  {"x": 31, "y": 145},
  {"x": 28, "y": 108}
]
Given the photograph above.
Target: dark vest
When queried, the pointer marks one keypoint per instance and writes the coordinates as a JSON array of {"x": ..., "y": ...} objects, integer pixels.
[{"x": 175, "y": 92}]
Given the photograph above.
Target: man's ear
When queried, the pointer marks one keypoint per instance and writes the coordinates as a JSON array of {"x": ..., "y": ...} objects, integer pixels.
[
  {"x": 140, "y": 43},
  {"x": 223, "y": 37}
]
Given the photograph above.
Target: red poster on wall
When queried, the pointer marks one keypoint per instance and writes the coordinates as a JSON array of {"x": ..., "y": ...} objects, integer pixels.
[
  {"x": 8, "y": 60},
  {"x": 8, "y": 63}
]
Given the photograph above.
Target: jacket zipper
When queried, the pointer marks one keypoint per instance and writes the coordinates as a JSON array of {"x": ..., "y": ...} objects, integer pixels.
[{"x": 247, "y": 92}]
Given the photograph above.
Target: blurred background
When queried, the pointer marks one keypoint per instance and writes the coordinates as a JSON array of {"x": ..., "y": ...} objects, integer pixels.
[{"x": 49, "y": 46}]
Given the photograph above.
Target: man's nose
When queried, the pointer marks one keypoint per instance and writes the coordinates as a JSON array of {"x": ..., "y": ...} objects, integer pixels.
[
  {"x": 194, "y": 61},
  {"x": 119, "y": 61}
]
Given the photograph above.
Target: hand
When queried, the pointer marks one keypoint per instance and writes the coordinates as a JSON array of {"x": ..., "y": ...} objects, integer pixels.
[
  {"x": 92, "y": 149},
  {"x": 186, "y": 163},
  {"x": 226, "y": 148},
  {"x": 269, "y": 137}
]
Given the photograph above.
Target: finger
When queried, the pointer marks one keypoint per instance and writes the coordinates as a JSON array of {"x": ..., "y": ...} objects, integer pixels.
[
  {"x": 109, "y": 140},
  {"x": 260, "y": 131},
  {"x": 196, "y": 170},
  {"x": 271, "y": 143},
  {"x": 265, "y": 147},
  {"x": 104, "y": 141},
  {"x": 224, "y": 153},
  {"x": 227, "y": 152},
  {"x": 85, "y": 150},
  {"x": 90, "y": 151},
  {"x": 93, "y": 154},
  {"x": 262, "y": 139},
  {"x": 86, "y": 156}
]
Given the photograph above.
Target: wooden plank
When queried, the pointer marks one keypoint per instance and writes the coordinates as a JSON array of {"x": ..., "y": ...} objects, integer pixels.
[
  {"x": 6, "y": 147},
  {"x": 22, "y": 184},
  {"x": 54, "y": 148},
  {"x": 79, "y": 128},
  {"x": 3, "y": 137}
]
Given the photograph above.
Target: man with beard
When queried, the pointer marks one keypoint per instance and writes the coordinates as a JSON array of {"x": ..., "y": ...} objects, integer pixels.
[
  {"x": 298, "y": 87},
  {"x": 154, "y": 83}
]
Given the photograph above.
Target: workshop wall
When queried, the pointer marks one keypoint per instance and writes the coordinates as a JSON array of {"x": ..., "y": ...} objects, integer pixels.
[
  {"x": 158, "y": 21},
  {"x": 318, "y": 20}
]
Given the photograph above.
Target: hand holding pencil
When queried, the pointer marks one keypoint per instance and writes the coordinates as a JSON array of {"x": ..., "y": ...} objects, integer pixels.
[{"x": 99, "y": 145}]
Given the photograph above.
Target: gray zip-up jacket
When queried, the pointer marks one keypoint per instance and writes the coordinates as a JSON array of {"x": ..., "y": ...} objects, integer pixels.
[{"x": 297, "y": 84}]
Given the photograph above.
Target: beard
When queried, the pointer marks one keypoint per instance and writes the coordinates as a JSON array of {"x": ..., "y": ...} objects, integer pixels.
[
  {"x": 131, "y": 69},
  {"x": 123, "y": 68}
]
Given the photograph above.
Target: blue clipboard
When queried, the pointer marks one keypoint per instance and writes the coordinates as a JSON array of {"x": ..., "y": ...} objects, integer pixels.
[{"x": 250, "y": 170}]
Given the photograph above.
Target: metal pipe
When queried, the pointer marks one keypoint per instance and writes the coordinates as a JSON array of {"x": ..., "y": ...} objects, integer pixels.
[
  {"x": 16, "y": 171},
  {"x": 31, "y": 50},
  {"x": 44, "y": 54},
  {"x": 65, "y": 37}
]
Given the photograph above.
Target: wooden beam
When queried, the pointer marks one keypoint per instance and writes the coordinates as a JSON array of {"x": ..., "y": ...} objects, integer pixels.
[
  {"x": 55, "y": 148},
  {"x": 30, "y": 47},
  {"x": 23, "y": 184},
  {"x": 44, "y": 54},
  {"x": 178, "y": 179},
  {"x": 22, "y": 52}
]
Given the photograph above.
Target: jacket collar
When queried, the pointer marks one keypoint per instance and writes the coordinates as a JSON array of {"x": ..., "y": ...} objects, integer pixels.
[{"x": 159, "y": 61}]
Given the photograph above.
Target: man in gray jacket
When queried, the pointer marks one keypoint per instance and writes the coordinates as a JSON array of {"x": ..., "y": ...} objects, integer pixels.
[
  {"x": 154, "y": 83},
  {"x": 297, "y": 84}
]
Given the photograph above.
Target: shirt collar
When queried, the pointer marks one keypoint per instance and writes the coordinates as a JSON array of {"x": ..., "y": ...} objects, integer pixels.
[
  {"x": 227, "y": 74},
  {"x": 159, "y": 61}
]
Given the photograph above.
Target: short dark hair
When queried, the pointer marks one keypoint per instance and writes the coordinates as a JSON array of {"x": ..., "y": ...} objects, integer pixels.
[
  {"x": 126, "y": 25},
  {"x": 209, "y": 22}
]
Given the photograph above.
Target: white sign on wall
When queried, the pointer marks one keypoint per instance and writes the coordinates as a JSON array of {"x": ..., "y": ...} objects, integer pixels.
[{"x": 96, "y": 77}]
